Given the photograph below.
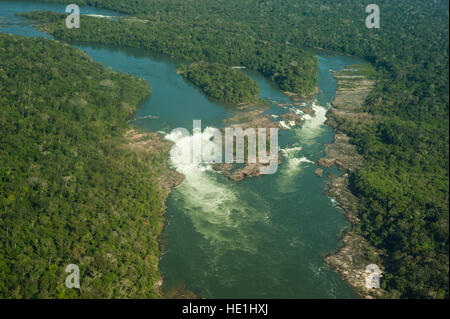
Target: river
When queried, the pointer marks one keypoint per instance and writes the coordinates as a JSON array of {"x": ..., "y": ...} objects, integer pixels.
[{"x": 262, "y": 238}]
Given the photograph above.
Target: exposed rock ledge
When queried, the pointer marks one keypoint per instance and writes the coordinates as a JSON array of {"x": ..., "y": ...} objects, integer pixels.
[
  {"x": 355, "y": 252},
  {"x": 341, "y": 153},
  {"x": 239, "y": 174},
  {"x": 244, "y": 118},
  {"x": 153, "y": 142},
  {"x": 295, "y": 96}
]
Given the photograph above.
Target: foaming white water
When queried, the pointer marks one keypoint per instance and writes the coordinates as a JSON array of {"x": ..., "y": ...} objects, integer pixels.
[
  {"x": 294, "y": 163},
  {"x": 306, "y": 134},
  {"x": 287, "y": 124},
  {"x": 188, "y": 166},
  {"x": 293, "y": 159},
  {"x": 296, "y": 111},
  {"x": 291, "y": 151},
  {"x": 312, "y": 126},
  {"x": 305, "y": 160},
  {"x": 334, "y": 202},
  {"x": 202, "y": 188},
  {"x": 212, "y": 202},
  {"x": 317, "y": 120},
  {"x": 292, "y": 166}
]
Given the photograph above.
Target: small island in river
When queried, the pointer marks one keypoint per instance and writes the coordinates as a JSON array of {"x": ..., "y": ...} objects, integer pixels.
[{"x": 222, "y": 83}]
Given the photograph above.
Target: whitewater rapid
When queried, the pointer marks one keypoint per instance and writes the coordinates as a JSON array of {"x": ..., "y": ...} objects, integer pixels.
[{"x": 217, "y": 208}]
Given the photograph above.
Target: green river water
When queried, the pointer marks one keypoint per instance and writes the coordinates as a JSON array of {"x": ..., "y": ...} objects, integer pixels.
[{"x": 262, "y": 238}]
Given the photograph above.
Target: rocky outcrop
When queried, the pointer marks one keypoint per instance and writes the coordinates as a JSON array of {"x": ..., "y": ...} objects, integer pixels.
[
  {"x": 351, "y": 262},
  {"x": 293, "y": 117},
  {"x": 239, "y": 174},
  {"x": 296, "y": 96},
  {"x": 341, "y": 153},
  {"x": 338, "y": 189},
  {"x": 319, "y": 172},
  {"x": 153, "y": 142},
  {"x": 309, "y": 110},
  {"x": 346, "y": 105},
  {"x": 355, "y": 252},
  {"x": 254, "y": 118}
]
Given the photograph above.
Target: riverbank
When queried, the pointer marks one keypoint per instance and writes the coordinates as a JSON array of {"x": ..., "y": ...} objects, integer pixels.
[
  {"x": 153, "y": 144},
  {"x": 355, "y": 252},
  {"x": 102, "y": 200},
  {"x": 297, "y": 97}
]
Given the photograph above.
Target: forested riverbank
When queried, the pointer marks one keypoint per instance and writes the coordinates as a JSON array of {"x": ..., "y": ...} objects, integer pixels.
[
  {"x": 74, "y": 189},
  {"x": 354, "y": 84}
]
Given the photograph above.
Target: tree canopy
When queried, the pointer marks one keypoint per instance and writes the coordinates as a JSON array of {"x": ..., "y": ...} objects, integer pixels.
[
  {"x": 221, "y": 82},
  {"x": 71, "y": 191}
]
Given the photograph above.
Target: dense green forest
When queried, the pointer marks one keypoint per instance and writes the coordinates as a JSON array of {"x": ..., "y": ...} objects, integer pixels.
[
  {"x": 71, "y": 191},
  {"x": 292, "y": 69},
  {"x": 221, "y": 82},
  {"x": 403, "y": 186}
]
